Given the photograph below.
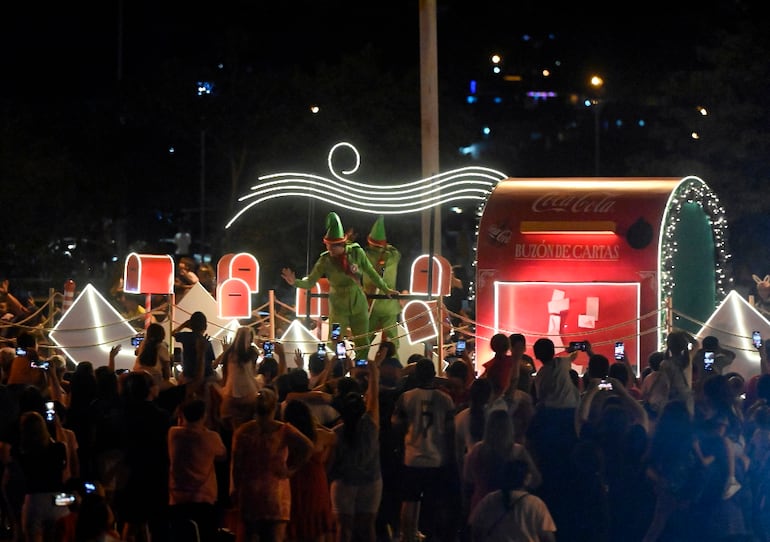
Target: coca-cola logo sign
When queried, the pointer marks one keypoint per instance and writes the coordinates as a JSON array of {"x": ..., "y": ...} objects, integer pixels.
[{"x": 558, "y": 202}]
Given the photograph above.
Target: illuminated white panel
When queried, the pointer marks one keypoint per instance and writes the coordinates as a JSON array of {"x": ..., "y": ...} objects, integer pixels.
[
  {"x": 234, "y": 299},
  {"x": 732, "y": 323},
  {"x": 418, "y": 320},
  {"x": 439, "y": 285},
  {"x": 315, "y": 302},
  {"x": 89, "y": 330}
]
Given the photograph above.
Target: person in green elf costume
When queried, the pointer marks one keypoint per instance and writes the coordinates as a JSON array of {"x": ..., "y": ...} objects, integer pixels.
[
  {"x": 343, "y": 264},
  {"x": 383, "y": 314}
]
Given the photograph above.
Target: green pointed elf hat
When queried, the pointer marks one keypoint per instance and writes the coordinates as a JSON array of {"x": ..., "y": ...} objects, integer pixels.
[
  {"x": 377, "y": 235},
  {"x": 334, "y": 232}
]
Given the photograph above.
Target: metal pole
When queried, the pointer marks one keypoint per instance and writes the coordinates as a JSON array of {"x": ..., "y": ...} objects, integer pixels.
[{"x": 429, "y": 111}]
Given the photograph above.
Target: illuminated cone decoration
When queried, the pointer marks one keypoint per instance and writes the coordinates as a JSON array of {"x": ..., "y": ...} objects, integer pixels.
[
  {"x": 334, "y": 232},
  {"x": 69, "y": 295},
  {"x": 377, "y": 234}
]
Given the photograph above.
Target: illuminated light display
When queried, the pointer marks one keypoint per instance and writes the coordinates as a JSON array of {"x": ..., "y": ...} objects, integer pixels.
[
  {"x": 242, "y": 266},
  {"x": 419, "y": 322},
  {"x": 148, "y": 274},
  {"x": 464, "y": 184},
  {"x": 299, "y": 337},
  {"x": 318, "y": 305},
  {"x": 732, "y": 323},
  {"x": 89, "y": 330},
  {"x": 234, "y": 299},
  {"x": 544, "y": 231},
  {"x": 441, "y": 283},
  {"x": 563, "y": 226}
]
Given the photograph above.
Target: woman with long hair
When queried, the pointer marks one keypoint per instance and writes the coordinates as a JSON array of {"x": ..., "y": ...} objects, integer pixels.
[
  {"x": 42, "y": 461},
  {"x": 674, "y": 461},
  {"x": 311, "y": 518},
  {"x": 266, "y": 454},
  {"x": 239, "y": 394},
  {"x": 152, "y": 355},
  {"x": 484, "y": 462}
]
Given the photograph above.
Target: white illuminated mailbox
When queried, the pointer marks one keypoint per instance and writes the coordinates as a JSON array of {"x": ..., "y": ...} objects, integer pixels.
[
  {"x": 234, "y": 299},
  {"x": 441, "y": 281},
  {"x": 148, "y": 274},
  {"x": 319, "y": 306}
]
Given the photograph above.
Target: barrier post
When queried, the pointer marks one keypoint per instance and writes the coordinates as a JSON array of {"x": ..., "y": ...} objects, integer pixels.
[{"x": 69, "y": 295}]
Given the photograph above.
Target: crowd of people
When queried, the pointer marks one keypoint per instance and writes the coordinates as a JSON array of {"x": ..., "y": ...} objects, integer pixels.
[{"x": 254, "y": 445}]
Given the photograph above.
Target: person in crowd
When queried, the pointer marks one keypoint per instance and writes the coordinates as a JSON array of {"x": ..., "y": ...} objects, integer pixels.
[
  {"x": 499, "y": 369},
  {"x": 153, "y": 356},
  {"x": 758, "y": 450},
  {"x": 384, "y": 257},
  {"x": 318, "y": 402},
  {"x": 141, "y": 504},
  {"x": 672, "y": 382},
  {"x": 355, "y": 472},
  {"x": 239, "y": 393},
  {"x": 426, "y": 416},
  {"x": 719, "y": 358},
  {"x": 311, "y": 517},
  {"x": 193, "y": 450},
  {"x": 185, "y": 277},
  {"x": 24, "y": 368},
  {"x": 551, "y": 435},
  {"x": 675, "y": 464},
  {"x": 471, "y": 420},
  {"x": 343, "y": 264},
  {"x": 622, "y": 372},
  {"x": 511, "y": 513},
  {"x": 41, "y": 459},
  {"x": 198, "y": 354},
  {"x": 266, "y": 453},
  {"x": 207, "y": 276},
  {"x": 81, "y": 394},
  {"x": 95, "y": 521},
  {"x": 483, "y": 464}
]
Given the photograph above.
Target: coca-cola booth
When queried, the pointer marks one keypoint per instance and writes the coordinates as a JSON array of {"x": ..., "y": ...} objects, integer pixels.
[{"x": 598, "y": 259}]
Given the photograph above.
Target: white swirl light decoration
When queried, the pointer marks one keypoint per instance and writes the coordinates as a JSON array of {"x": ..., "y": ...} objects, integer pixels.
[{"x": 465, "y": 184}]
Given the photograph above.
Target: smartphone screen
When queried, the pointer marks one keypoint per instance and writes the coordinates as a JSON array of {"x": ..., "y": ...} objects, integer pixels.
[
  {"x": 460, "y": 346},
  {"x": 756, "y": 337},
  {"x": 321, "y": 349},
  {"x": 267, "y": 347},
  {"x": 341, "y": 351},
  {"x": 620, "y": 350},
  {"x": 335, "y": 331},
  {"x": 50, "y": 411},
  {"x": 20, "y": 351},
  {"x": 361, "y": 363},
  {"x": 708, "y": 361}
]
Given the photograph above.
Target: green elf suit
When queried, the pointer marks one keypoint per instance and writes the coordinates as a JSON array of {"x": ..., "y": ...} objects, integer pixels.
[
  {"x": 385, "y": 258},
  {"x": 347, "y": 301}
]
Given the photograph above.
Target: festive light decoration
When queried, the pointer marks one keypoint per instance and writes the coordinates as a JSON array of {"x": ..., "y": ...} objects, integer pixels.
[
  {"x": 464, "y": 184},
  {"x": 694, "y": 190}
]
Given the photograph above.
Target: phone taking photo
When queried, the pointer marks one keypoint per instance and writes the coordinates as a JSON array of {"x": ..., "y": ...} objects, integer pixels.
[
  {"x": 268, "y": 348},
  {"x": 341, "y": 350},
  {"x": 756, "y": 338},
  {"x": 620, "y": 350},
  {"x": 708, "y": 361},
  {"x": 335, "y": 331},
  {"x": 460, "y": 347}
]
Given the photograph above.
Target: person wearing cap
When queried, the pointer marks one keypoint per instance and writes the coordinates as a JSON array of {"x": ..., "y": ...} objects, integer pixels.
[
  {"x": 343, "y": 264},
  {"x": 384, "y": 257}
]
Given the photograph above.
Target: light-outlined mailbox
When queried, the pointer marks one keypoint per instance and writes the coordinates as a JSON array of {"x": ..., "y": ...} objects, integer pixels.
[
  {"x": 441, "y": 280},
  {"x": 319, "y": 306},
  {"x": 419, "y": 321},
  {"x": 234, "y": 299},
  {"x": 242, "y": 266},
  {"x": 148, "y": 274}
]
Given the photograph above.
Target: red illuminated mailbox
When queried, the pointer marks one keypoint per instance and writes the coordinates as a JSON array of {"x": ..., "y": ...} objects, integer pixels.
[
  {"x": 148, "y": 274},
  {"x": 441, "y": 281},
  {"x": 419, "y": 321},
  {"x": 319, "y": 306},
  {"x": 234, "y": 299},
  {"x": 242, "y": 266}
]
